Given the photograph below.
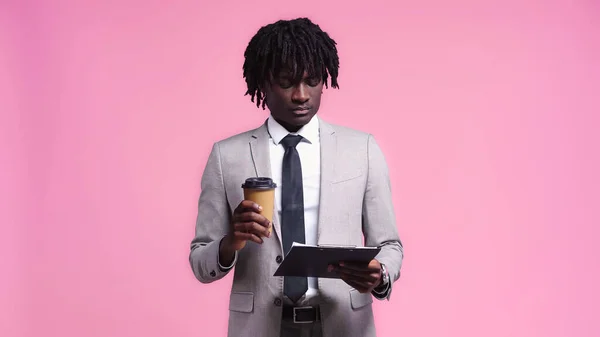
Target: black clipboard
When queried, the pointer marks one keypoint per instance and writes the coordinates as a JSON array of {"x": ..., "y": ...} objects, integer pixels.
[{"x": 313, "y": 261}]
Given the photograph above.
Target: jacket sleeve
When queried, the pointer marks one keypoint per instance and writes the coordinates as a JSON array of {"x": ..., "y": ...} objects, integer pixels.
[
  {"x": 212, "y": 222},
  {"x": 379, "y": 220}
]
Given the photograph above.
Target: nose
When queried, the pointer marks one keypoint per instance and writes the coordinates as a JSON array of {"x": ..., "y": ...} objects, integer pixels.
[{"x": 300, "y": 93}]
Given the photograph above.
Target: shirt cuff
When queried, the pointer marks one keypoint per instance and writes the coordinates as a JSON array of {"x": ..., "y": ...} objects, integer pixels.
[
  {"x": 381, "y": 292},
  {"x": 226, "y": 268}
]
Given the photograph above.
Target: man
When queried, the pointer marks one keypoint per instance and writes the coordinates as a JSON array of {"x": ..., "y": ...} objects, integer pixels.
[{"x": 332, "y": 189}]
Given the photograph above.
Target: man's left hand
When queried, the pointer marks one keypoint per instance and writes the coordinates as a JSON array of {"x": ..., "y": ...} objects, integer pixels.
[{"x": 361, "y": 277}]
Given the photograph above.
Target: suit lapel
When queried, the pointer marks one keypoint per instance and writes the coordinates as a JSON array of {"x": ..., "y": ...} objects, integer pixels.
[
  {"x": 259, "y": 149},
  {"x": 328, "y": 159}
]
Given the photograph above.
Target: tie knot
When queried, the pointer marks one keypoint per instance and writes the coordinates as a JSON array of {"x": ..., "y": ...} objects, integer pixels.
[{"x": 290, "y": 141}]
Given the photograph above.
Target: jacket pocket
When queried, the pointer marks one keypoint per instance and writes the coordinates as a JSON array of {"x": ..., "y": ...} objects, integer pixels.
[
  {"x": 358, "y": 300},
  {"x": 241, "y": 301}
]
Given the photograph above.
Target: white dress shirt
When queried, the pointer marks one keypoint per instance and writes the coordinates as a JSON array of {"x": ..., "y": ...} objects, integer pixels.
[{"x": 309, "y": 150}]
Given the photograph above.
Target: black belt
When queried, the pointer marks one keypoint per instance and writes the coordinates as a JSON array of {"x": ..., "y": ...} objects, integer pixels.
[{"x": 301, "y": 314}]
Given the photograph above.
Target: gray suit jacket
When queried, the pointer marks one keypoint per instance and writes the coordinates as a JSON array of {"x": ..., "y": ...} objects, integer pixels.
[{"x": 355, "y": 209}]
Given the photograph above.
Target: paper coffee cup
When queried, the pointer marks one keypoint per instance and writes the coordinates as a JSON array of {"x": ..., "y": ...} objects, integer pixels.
[{"x": 261, "y": 190}]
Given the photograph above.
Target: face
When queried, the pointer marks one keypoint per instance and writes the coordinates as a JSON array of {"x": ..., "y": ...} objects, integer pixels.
[{"x": 293, "y": 103}]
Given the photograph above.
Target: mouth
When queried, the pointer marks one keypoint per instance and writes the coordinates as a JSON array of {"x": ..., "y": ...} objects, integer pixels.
[{"x": 301, "y": 110}]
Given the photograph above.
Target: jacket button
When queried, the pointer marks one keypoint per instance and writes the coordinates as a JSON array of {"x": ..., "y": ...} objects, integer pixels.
[
  {"x": 213, "y": 274},
  {"x": 277, "y": 302},
  {"x": 278, "y": 259}
]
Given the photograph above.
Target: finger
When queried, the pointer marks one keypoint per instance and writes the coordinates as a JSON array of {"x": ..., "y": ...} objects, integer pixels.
[
  {"x": 247, "y": 237},
  {"x": 359, "y": 278},
  {"x": 253, "y": 228},
  {"x": 253, "y": 216},
  {"x": 362, "y": 267},
  {"x": 257, "y": 229},
  {"x": 356, "y": 285},
  {"x": 356, "y": 275},
  {"x": 247, "y": 205}
]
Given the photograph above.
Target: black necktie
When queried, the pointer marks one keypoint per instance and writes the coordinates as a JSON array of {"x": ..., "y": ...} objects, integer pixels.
[{"x": 292, "y": 211}]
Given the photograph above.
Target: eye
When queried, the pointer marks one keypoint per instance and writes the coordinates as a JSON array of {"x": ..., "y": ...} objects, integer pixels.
[
  {"x": 313, "y": 81},
  {"x": 284, "y": 82}
]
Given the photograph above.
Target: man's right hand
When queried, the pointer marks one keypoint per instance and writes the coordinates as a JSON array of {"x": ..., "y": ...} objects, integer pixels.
[{"x": 246, "y": 224}]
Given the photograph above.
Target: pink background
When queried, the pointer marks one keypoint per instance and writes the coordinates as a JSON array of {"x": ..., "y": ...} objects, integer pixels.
[{"x": 487, "y": 113}]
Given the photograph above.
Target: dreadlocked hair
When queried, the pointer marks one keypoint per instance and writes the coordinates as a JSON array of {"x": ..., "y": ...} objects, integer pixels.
[{"x": 297, "y": 46}]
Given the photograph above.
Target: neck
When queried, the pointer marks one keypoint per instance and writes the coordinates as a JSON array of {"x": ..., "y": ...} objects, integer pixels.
[{"x": 289, "y": 127}]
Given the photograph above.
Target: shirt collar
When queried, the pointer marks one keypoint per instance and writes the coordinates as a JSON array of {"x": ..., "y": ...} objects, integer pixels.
[{"x": 310, "y": 131}]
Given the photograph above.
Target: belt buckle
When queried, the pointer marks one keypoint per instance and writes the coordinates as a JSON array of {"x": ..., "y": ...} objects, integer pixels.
[{"x": 301, "y": 308}]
